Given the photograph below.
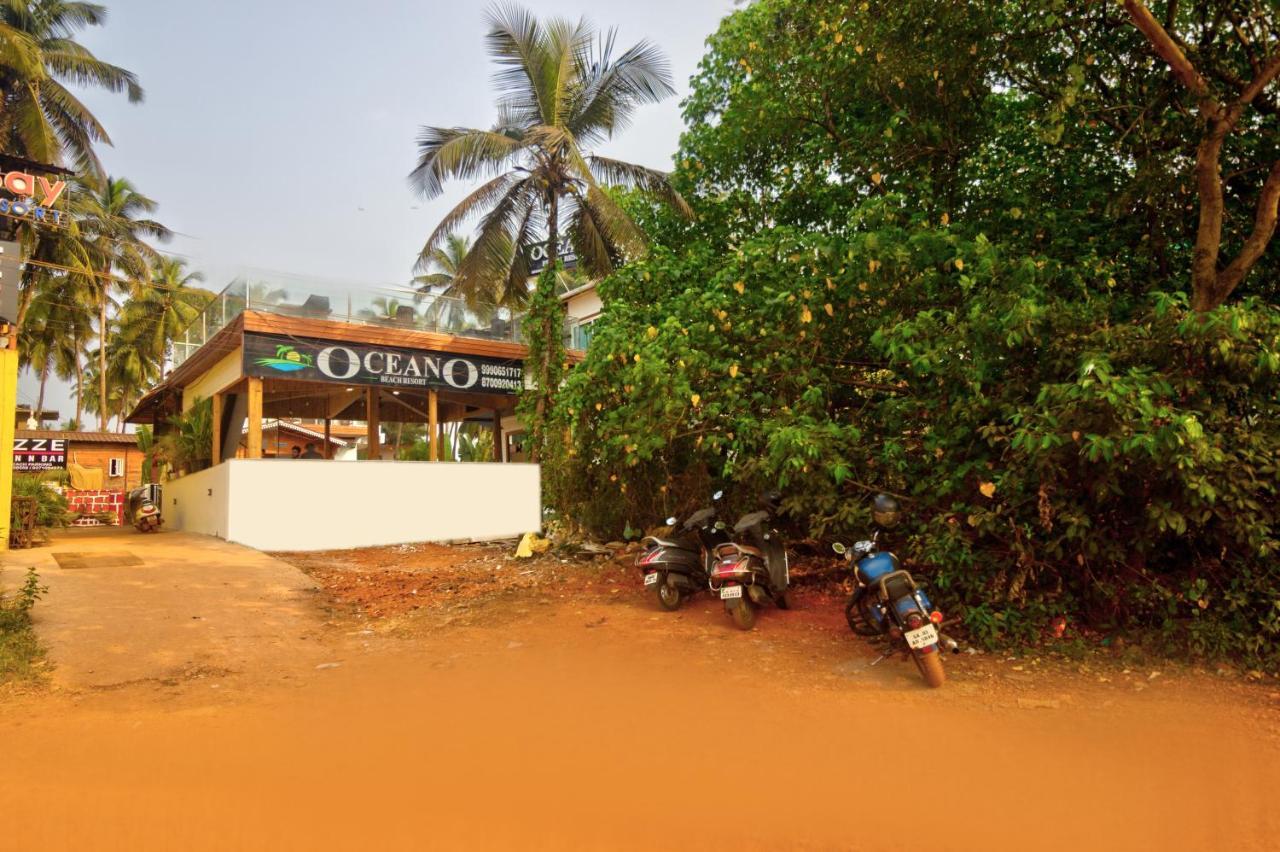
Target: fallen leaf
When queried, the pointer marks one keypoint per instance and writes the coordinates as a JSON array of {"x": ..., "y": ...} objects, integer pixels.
[{"x": 988, "y": 489}]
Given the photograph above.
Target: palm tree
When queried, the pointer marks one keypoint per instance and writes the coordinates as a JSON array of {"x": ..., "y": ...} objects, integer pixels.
[
  {"x": 41, "y": 119},
  {"x": 561, "y": 88},
  {"x": 58, "y": 320},
  {"x": 165, "y": 306},
  {"x": 114, "y": 232}
]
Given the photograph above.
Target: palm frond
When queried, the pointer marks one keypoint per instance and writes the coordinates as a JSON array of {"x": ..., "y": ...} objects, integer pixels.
[
  {"x": 517, "y": 43},
  {"x": 462, "y": 152},
  {"x": 620, "y": 173},
  {"x": 482, "y": 198}
]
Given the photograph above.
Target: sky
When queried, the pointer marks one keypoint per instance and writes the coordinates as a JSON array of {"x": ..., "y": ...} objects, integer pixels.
[{"x": 277, "y": 134}]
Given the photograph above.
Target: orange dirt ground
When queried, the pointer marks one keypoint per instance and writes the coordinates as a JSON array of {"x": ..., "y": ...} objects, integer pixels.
[{"x": 473, "y": 701}]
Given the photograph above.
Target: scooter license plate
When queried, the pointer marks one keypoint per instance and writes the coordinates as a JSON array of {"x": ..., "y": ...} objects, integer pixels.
[
  {"x": 729, "y": 592},
  {"x": 923, "y": 637},
  {"x": 651, "y": 579}
]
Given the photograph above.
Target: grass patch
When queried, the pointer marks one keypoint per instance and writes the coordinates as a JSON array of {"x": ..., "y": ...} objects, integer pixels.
[{"x": 20, "y": 651}]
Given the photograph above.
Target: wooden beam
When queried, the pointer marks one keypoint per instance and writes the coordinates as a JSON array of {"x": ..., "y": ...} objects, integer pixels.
[
  {"x": 497, "y": 435},
  {"x": 433, "y": 424},
  {"x": 216, "y": 457},
  {"x": 371, "y": 423},
  {"x": 328, "y": 437},
  {"x": 253, "y": 447}
]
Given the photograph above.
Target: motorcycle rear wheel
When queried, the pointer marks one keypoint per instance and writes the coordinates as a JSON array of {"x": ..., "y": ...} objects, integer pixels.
[
  {"x": 743, "y": 612},
  {"x": 930, "y": 666},
  {"x": 669, "y": 597}
]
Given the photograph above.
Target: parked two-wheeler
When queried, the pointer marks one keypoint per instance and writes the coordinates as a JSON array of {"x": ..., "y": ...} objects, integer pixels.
[
  {"x": 142, "y": 508},
  {"x": 889, "y": 603},
  {"x": 676, "y": 566},
  {"x": 753, "y": 568}
]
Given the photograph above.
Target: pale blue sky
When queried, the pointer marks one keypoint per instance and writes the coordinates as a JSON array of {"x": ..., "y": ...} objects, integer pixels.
[{"x": 268, "y": 124}]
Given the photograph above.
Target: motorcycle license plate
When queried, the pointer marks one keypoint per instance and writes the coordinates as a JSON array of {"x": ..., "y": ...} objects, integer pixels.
[
  {"x": 729, "y": 592},
  {"x": 923, "y": 637},
  {"x": 651, "y": 579}
]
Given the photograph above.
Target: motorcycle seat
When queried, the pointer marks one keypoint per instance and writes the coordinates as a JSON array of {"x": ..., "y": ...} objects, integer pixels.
[
  {"x": 744, "y": 549},
  {"x": 670, "y": 542}
]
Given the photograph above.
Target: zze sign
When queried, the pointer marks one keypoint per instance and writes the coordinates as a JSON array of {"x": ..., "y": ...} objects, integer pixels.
[
  {"x": 39, "y": 453},
  {"x": 25, "y": 187}
]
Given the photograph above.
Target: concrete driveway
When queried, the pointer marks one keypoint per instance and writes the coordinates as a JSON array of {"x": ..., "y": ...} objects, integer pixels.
[{"x": 124, "y": 607}]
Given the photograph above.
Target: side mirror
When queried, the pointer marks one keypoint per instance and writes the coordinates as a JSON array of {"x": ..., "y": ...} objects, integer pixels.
[
  {"x": 839, "y": 548},
  {"x": 717, "y": 495},
  {"x": 671, "y": 521}
]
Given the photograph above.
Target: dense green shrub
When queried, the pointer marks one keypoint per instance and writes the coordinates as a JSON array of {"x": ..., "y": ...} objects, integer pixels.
[
  {"x": 51, "y": 506},
  {"x": 956, "y": 272}
]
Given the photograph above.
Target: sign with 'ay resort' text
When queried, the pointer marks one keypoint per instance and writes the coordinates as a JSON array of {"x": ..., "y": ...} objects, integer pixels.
[{"x": 275, "y": 356}]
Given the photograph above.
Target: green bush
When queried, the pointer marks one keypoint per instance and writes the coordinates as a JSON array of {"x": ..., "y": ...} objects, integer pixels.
[{"x": 51, "y": 506}]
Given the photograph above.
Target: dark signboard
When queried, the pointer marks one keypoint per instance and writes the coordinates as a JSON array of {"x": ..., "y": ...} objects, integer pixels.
[
  {"x": 31, "y": 455},
  {"x": 270, "y": 355},
  {"x": 537, "y": 254}
]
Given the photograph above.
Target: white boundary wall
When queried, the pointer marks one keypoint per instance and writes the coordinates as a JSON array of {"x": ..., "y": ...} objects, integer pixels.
[{"x": 311, "y": 504}]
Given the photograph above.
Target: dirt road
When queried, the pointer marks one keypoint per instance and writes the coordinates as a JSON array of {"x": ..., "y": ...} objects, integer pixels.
[{"x": 563, "y": 712}]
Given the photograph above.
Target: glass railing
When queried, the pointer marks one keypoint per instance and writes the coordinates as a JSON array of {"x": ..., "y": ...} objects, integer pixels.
[{"x": 390, "y": 307}]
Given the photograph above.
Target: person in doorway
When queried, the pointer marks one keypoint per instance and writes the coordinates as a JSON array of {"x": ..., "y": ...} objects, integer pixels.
[
  {"x": 295, "y": 453},
  {"x": 311, "y": 452}
]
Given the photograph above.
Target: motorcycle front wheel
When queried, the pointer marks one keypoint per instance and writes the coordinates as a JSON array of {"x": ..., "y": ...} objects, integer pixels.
[
  {"x": 930, "y": 666},
  {"x": 669, "y": 597},
  {"x": 743, "y": 612}
]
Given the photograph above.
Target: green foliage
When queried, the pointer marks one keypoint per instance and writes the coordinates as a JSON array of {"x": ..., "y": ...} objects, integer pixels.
[
  {"x": 51, "y": 506},
  {"x": 950, "y": 287},
  {"x": 542, "y": 330},
  {"x": 188, "y": 443},
  {"x": 19, "y": 648}
]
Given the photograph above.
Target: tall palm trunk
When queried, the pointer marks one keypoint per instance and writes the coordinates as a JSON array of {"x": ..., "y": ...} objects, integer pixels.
[
  {"x": 102, "y": 353},
  {"x": 547, "y": 282},
  {"x": 79, "y": 385},
  {"x": 44, "y": 380}
]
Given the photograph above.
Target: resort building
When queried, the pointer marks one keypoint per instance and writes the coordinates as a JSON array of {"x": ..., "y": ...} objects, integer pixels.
[{"x": 300, "y": 363}]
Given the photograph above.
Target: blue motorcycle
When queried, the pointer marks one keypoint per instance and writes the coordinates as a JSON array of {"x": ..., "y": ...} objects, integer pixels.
[{"x": 889, "y": 603}]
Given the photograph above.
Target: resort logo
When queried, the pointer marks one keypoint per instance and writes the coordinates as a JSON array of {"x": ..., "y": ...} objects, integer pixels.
[
  {"x": 287, "y": 360},
  {"x": 23, "y": 205}
]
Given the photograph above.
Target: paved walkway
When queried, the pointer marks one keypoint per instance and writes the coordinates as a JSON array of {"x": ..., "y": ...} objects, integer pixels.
[{"x": 124, "y": 607}]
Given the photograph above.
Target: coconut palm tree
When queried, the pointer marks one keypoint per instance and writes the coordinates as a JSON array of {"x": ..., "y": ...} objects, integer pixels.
[
  {"x": 41, "y": 119},
  {"x": 114, "y": 231},
  {"x": 561, "y": 89},
  {"x": 58, "y": 320},
  {"x": 163, "y": 307}
]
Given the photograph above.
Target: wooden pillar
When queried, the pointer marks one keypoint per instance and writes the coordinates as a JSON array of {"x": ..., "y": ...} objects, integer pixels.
[
  {"x": 216, "y": 458},
  {"x": 253, "y": 446},
  {"x": 433, "y": 424},
  {"x": 371, "y": 418},
  {"x": 497, "y": 435},
  {"x": 328, "y": 446}
]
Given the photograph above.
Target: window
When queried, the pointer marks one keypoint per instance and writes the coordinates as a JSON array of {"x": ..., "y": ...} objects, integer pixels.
[
  {"x": 115, "y": 468},
  {"x": 581, "y": 335}
]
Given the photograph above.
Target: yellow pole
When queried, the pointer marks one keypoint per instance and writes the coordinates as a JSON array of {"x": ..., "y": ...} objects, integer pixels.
[{"x": 8, "y": 416}]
